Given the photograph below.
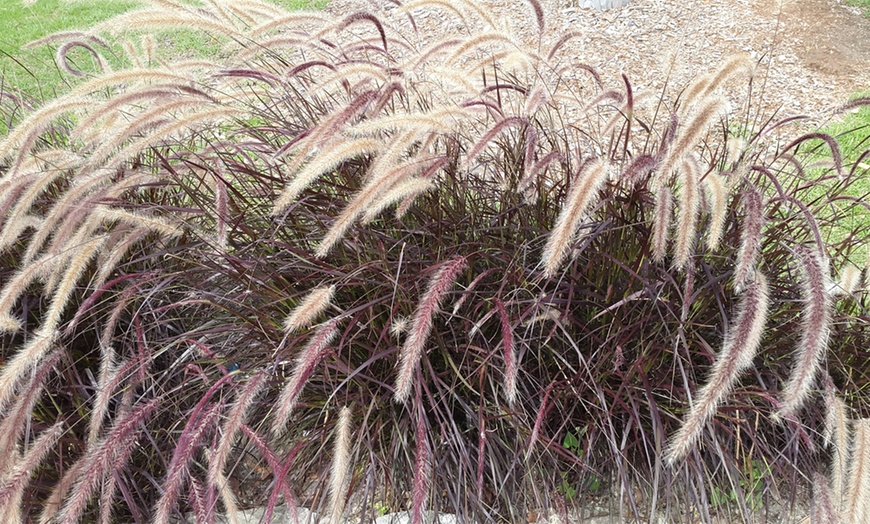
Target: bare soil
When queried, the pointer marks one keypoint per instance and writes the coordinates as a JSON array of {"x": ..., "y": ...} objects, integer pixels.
[{"x": 829, "y": 39}]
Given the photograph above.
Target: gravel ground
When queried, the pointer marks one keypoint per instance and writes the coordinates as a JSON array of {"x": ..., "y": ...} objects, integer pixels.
[{"x": 812, "y": 54}]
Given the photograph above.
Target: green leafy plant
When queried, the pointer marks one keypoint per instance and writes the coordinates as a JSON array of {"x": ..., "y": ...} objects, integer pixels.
[{"x": 751, "y": 487}]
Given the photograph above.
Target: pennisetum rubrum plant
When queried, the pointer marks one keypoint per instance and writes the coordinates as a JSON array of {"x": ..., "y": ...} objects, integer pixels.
[{"x": 346, "y": 267}]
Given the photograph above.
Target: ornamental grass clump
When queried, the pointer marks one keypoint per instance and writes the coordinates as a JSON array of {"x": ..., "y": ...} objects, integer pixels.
[{"x": 347, "y": 267}]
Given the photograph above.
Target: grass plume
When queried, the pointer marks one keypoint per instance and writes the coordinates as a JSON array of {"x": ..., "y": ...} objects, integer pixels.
[
  {"x": 661, "y": 222},
  {"x": 814, "y": 333},
  {"x": 750, "y": 236},
  {"x": 341, "y": 465},
  {"x": 741, "y": 344},
  {"x": 857, "y": 499},
  {"x": 583, "y": 193},
  {"x": 421, "y": 325},
  {"x": 311, "y": 355},
  {"x": 317, "y": 300},
  {"x": 687, "y": 219}
]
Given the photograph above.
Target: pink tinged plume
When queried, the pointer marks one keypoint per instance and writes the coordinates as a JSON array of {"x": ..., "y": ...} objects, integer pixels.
[
  {"x": 340, "y": 475},
  {"x": 662, "y": 215},
  {"x": 179, "y": 466},
  {"x": 823, "y": 510},
  {"x": 316, "y": 349},
  {"x": 21, "y": 469},
  {"x": 510, "y": 358},
  {"x": 750, "y": 237},
  {"x": 422, "y": 470},
  {"x": 856, "y": 504},
  {"x": 232, "y": 426},
  {"x": 814, "y": 337},
  {"x": 739, "y": 348},
  {"x": 309, "y": 308},
  {"x": 421, "y": 325},
  {"x": 583, "y": 194},
  {"x": 101, "y": 461}
]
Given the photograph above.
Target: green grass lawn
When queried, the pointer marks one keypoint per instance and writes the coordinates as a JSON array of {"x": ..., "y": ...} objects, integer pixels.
[
  {"x": 34, "y": 71},
  {"x": 863, "y": 4},
  {"x": 852, "y": 132}
]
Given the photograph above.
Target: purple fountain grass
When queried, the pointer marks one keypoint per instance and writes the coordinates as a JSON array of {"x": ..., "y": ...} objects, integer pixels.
[
  {"x": 850, "y": 279},
  {"x": 814, "y": 332},
  {"x": 856, "y": 507},
  {"x": 114, "y": 376},
  {"x": 209, "y": 202},
  {"x": 639, "y": 167},
  {"x": 16, "y": 471},
  {"x": 14, "y": 421},
  {"x": 662, "y": 214},
  {"x": 486, "y": 138},
  {"x": 831, "y": 142},
  {"x": 694, "y": 130},
  {"x": 717, "y": 196},
  {"x": 196, "y": 497},
  {"x": 107, "y": 493},
  {"x": 738, "y": 350},
  {"x": 537, "y": 168},
  {"x": 221, "y": 212},
  {"x": 313, "y": 352},
  {"x": 822, "y": 510},
  {"x": 231, "y": 507},
  {"x": 317, "y": 300},
  {"x": 343, "y": 151},
  {"x": 231, "y": 427},
  {"x": 280, "y": 470},
  {"x": 363, "y": 16},
  {"x": 422, "y": 472},
  {"x": 539, "y": 419},
  {"x": 836, "y": 434},
  {"x": 750, "y": 237},
  {"x": 510, "y": 357},
  {"x": 421, "y": 325},
  {"x": 341, "y": 466},
  {"x": 100, "y": 460},
  {"x": 687, "y": 219},
  {"x": 583, "y": 193},
  {"x": 539, "y": 15},
  {"x": 15, "y": 287},
  {"x": 404, "y": 191},
  {"x": 29, "y": 356},
  {"x": 381, "y": 178},
  {"x": 707, "y": 84},
  {"x": 178, "y": 470}
]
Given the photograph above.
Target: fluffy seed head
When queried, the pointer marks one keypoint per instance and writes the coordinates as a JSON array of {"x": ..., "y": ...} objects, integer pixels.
[
  {"x": 815, "y": 330},
  {"x": 850, "y": 279},
  {"x": 717, "y": 195},
  {"x": 582, "y": 195},
  {"x": 308, "y": 358},
  {"x": 340, "y": 465},
  {"x": 421, "y": 325},
  {"x": 738, "y": 350},
  {"x": 687, "y": 219},
  {"x": 857, "y": 500},
  {"x": 750, "y": 237},
  {"x": 308, "y": 310},
  {"x": 510, "y": 357},
  {"x": 661, "y": 223}
]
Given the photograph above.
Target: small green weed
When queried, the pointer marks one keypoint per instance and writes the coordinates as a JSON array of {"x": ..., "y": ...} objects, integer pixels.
[
  {"x": 752, "y": 486},
  {"x": 571, "y": 443}
]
